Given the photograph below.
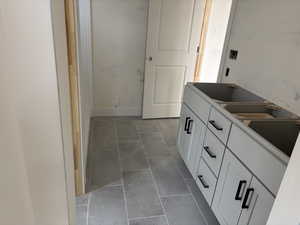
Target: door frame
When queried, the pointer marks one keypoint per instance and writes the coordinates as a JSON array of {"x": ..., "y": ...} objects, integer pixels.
[
  {"x": 202, "y": 41},
  {"x": 225, "y": 50},
  {"x": 72, "y": 45},
  {"x": 195, "y": 49}
]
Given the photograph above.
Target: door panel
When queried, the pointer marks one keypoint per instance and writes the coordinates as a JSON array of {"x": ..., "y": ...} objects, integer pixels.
[
  {"x": 175, "y": 28},
  {"x": 70, "y": 11},
  {"x": 168, "y": 84},
  {"x": 232, "y": 184},
  {"x": 173, "y": 36},
  {"x": 260, "y": 205}
]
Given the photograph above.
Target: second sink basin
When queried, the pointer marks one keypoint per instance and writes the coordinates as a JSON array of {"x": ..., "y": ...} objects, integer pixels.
[
  {"x": 282, "y": 134},
  {"x": 259, "y": 111}
]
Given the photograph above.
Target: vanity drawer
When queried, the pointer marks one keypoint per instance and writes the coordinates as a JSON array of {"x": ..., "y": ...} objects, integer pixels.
[
  {"x": 206, "y": 181},
  {"x": 213, "y": 151},
  {"x": 219, "y": 125},
  {"x": 197, "y": 104}
]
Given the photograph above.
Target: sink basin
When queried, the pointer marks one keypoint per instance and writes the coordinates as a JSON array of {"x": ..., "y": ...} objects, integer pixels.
[
  {"x": 223, "y": 93},
  {"x": 282, "y": 134},
  {"x": 275, "y": 124},
  {"x": 259, "y": 111}
]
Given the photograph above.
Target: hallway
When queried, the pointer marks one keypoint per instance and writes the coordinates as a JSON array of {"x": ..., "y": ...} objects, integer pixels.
[{"x": 135, "y": 176}]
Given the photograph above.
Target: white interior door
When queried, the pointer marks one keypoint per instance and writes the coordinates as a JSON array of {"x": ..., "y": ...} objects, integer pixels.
[{"x": 174, "y": 28}]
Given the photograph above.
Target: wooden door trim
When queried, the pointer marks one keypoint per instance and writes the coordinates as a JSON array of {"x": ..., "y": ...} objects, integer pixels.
[
  {"x": 70, "y": 11},
  {"x": 199, "y": 60}
]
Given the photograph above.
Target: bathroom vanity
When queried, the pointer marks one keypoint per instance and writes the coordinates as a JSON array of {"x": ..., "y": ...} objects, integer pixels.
[{"x": 237, "y": 146}]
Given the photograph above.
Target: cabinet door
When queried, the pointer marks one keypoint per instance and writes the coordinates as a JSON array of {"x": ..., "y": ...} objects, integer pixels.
[
  {"x": 233, "y": 181},
  {"x": 197, "y": 138},
  {"x": 257, "y": 205},
  {"x": 184, "y": 137}
]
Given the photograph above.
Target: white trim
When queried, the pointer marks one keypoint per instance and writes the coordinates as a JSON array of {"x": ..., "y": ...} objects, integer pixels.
[
  {"x": 61, "y": 63},
  {"x": 118, "y": 111},
  {"x": 79, "y": 94}
]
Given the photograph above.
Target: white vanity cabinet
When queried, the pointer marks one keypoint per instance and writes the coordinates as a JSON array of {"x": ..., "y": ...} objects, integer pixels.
[
  {"x": 213, "y": 150},
  {"x": 196, "y": 146},
  {"x": 240, "y": 199},
  {"x": 233, "y": 182},
  {"x": 237, "y": 171},
  {"x": 206, "y": 181},
  {"x": 184, "y": 137},
  {"x": 190, "y": 138},
  {"x": 258, "y": 205}
]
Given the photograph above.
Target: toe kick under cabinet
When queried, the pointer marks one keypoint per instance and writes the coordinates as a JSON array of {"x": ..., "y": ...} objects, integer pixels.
[{"x": 238, "y": 173}]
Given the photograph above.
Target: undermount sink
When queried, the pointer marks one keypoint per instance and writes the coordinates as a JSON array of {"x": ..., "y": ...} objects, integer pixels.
[
  {"x": 259, "y": 111},
  {"x": 282, "y": 134},
  {"x": 224, "y": 93}
]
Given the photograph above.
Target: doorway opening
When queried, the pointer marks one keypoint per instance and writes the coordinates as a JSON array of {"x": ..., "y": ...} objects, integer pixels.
[{"x": 143, "y": 53}]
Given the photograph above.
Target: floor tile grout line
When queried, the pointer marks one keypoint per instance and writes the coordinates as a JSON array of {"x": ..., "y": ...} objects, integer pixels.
[
  {"x": 156, "y": 186},
  {"x": 153, "y": 179},
  {"x": 147, "y": 157},
  {"x": 180, "y": 173},
  {"x": 121, "y": 171},
  {"x": 88, "y": 208},
  {"x": 200, "y": 211},
  {"x": 175, "y": 195},
  {"x": 146, "y": 217},
  {"x": 159, "y": 196},
  {"x": 161, "y": 132},
  {"x": 193, "y": 197}
]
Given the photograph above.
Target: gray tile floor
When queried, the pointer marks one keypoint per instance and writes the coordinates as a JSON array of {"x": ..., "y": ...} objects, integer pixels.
[{"x": 136, "y": 177}]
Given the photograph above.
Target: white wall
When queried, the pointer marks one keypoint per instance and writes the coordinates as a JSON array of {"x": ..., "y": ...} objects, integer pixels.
[
  {"x": 286, "y": 207},
  {"x": 267, "y": 35},
  {"x": 15, "y": 205},
  {"x": 85, "y": 74},
  {"x": 33, "y": 185},
  {"x": 216, "y": 34},
  {"x": 119, "y": 36}
]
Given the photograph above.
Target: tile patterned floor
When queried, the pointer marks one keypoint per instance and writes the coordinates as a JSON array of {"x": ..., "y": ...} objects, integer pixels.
[{"x": 135, "y": 176}]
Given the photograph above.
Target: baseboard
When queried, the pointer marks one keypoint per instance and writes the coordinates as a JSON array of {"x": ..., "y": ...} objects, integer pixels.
[{"x": 119, "y": 111}]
